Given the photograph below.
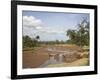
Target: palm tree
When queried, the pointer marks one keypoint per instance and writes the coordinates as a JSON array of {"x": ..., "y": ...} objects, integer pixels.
[{"x": 37, "y": 37}]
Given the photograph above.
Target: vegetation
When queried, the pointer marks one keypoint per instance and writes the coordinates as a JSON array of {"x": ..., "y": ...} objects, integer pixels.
[
  {"x": 29, "y": 42},
  {"x": 80, "y": 36},
  {"x": 77, "y": 43}
]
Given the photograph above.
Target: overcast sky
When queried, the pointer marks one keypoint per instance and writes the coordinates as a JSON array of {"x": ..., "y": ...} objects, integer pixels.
[{"x": 50, "y": 26}]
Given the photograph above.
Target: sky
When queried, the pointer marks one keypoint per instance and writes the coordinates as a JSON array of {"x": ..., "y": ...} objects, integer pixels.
[{"x": 50, "y": 26}]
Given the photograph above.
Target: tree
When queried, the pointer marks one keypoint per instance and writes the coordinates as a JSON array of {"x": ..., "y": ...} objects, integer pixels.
[
  {"x": 30, "y": 42},
  {"x": 37, "y": 40},
  {"x": 57, "y": 42},
  {"x": 72, "y": 36},
  {"x": 38, "y": 37},
  {"x": 81, "y": 35},
  {"x": 27, "y": 41}
]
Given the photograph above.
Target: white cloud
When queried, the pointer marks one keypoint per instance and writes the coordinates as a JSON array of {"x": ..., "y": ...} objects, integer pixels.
[
  {"x": 31, "y": 21},
  {"x": 37, "y": 24},
  {"x": 52, "y": 31}
]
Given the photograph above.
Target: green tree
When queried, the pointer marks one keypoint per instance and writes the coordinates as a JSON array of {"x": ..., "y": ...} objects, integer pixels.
[
  {"x": 37, "y": 40},
  {"x": 72, "y": 36},
  {"x": 27, "y": 41},
  {"x": 81, "y": 35},
  {"x": 37, "y": 37}
]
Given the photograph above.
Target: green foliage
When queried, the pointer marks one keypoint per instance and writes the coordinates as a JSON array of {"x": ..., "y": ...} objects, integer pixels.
[
  {"x": 81, "y": 35},
  {"x": 37, "y": 37},
  {"x": 29, "y": 42}
]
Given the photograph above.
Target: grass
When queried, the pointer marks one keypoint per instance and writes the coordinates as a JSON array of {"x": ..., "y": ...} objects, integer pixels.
[
  {"x": 80, "y": 62},
  {"x": 85, "y": 48}
]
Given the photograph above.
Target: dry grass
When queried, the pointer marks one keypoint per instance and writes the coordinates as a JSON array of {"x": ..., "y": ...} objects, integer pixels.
[{"x": 80, "y": 62}]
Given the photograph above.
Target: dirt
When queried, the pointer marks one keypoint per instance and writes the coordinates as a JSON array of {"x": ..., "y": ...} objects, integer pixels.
[
  {"x": 33, "y": 60},
  {"x": 38, "y": 56}
]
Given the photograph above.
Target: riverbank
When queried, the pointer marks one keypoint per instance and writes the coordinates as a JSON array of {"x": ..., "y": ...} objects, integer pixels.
[{"x": 45, "y": 56}]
